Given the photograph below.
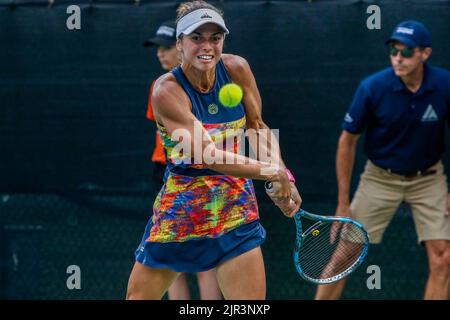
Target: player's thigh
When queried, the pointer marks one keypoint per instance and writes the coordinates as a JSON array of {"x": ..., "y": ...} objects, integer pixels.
[
  {"x": 208, "y": 286},
  {"x": 147, "y": 283},
  {"x": 207, "y": 279},
  {"x": 179, "y": 289},
  {"x": 243, "y": 277},
  {"x": 376, "y": 200}
]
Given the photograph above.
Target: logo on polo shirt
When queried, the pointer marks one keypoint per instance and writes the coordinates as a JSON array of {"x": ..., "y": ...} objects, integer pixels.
[
  {"x": 348, "y": 118},
  {"x": 429, "y": 114},
  {"x": 405, "y": 30},
  {"x": 206, "y": 16}
]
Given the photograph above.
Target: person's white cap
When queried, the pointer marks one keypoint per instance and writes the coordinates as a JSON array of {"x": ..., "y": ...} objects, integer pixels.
[{"x": 187, "y": 24}]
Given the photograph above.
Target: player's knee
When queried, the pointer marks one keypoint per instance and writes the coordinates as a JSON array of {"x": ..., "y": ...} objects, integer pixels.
[
  {"x": 136, "y": 294},
  {"x": 132, "y": 292},
  {"x": 130, "y": 295}
]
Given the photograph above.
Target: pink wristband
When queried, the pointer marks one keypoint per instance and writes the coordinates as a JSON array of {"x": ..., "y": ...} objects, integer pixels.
[{"x": 289, "y": 174}]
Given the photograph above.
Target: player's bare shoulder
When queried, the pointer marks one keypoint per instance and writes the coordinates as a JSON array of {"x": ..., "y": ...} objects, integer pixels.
[
  {"x": 165, "y": 85},
  {"x": 237, "y": 67},
  {"x": 234, "y": 62},
  {"x": 168, "y": 94}
]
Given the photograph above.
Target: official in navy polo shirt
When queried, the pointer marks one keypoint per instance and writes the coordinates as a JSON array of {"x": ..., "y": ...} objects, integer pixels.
[{"x": 403, "y": 111}]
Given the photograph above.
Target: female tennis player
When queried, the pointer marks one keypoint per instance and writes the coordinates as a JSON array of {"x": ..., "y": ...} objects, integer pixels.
[{"x": 206, "y": 215}]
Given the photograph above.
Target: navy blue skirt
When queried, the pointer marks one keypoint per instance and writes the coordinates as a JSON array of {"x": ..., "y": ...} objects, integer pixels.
[{"x": 200, "y": 254}]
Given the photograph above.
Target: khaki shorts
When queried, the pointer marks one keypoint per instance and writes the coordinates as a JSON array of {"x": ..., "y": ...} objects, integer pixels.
[{"x": 380, "y": 193}]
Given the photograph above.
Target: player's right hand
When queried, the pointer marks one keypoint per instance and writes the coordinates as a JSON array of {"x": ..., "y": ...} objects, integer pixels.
[
  {"x": 282, "y": 186},
  {"x": 289, "y": 206}
]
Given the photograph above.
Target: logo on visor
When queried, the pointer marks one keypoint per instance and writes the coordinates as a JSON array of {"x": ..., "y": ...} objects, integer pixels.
[{"x": 206, "y": 16}]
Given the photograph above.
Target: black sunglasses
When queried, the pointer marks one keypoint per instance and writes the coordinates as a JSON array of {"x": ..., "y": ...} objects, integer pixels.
[{"x": 406, "y": 53}]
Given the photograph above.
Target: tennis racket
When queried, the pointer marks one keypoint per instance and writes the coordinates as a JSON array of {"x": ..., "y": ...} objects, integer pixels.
[{"x": 329, "y": 250}]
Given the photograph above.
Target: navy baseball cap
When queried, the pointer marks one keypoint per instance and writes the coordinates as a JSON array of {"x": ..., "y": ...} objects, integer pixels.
[
  {"x": 412, "y": 34},
  {"x": 165, "y": 35}
]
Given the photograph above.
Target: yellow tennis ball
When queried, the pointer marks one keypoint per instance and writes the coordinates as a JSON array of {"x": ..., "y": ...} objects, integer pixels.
[{"x": 230, "y": 95}]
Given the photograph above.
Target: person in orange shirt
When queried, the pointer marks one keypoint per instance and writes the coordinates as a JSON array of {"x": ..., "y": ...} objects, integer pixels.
[{"x": 167, "y": 54}]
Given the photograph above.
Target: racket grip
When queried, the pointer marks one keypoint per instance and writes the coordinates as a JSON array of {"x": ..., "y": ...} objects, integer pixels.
[{"x": 272, "y": 189}]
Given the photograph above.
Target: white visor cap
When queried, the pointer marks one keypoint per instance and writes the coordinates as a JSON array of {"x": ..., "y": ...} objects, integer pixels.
[{"x": 197, "y": 18}]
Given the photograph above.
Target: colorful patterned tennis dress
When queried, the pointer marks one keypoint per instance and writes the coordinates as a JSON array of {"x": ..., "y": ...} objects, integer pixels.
[{"x": 201, "y": 217}]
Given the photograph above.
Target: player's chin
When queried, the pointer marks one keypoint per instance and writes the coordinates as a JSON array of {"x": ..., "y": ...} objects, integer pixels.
[{"x": 203, "y": 67}]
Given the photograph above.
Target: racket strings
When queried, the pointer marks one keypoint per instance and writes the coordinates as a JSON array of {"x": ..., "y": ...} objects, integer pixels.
[
  {"x": 325, "y": 262},
  {"x": 330, "y": 248},
  {"x": 321, "y": 263}
]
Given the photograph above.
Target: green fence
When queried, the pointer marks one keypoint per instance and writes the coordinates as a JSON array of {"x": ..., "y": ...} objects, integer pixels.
[
  {"x": 43, "y": 234},
  {"x": 76, "y": 146}
]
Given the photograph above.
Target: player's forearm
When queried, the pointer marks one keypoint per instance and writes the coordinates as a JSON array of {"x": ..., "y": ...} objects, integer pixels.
[
  {"x": 264, "y": 144},
  {"x": 256, "y": 171},
  {"x": 345, "y": 158},
  {"x": 229, "y": 163}
]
